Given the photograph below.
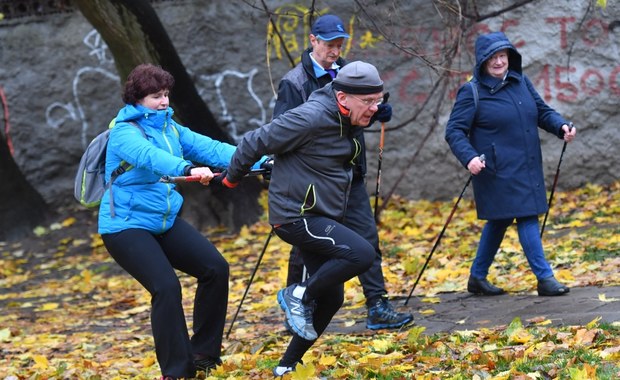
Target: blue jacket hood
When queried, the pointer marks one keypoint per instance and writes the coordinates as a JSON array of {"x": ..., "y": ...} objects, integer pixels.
[{"x": 489, "y": 44}]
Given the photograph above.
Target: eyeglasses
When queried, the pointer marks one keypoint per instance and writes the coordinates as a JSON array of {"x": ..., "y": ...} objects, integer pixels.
[{"x": 369, "y": 102}]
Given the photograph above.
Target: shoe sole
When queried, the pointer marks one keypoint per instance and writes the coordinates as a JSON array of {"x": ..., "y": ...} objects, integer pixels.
[
  {"x": 388, "y": 325},
  {"x": 289, "y": 317},
  {"x": 481, "y": 293},
  {"x": 545, "y": 294}
]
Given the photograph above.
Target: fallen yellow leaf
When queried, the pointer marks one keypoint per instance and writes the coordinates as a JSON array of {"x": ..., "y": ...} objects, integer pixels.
[
  {"x": 40, "y": 361},
  {"x": 5, "y": 334},
  {"x": 544, "y": 323},
  {"x": 49, "y": 306},
  {"x": 603, "y": 298},
  {"x": 328, "y": 360},
  {"x": 303, "y": 372},
  {"x": 380, "y": 345},
  {"x": 68, "y": 222},
  {"x": 593, "y": 323}
]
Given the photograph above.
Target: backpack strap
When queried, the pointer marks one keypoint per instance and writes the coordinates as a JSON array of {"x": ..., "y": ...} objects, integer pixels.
[
  {"x": 122, "y": 168},
  {"x": 473, "y": 83}
]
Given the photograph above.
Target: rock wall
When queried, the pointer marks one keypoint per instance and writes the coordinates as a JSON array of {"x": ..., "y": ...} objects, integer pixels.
[{"x": 60, "y": 86}]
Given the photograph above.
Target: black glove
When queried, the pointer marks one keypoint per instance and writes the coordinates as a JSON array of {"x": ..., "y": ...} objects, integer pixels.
[
  {"x": 268, "y": 167},
  {"x": 221, "y": 180},
  {"x": 384, "y": 111}
]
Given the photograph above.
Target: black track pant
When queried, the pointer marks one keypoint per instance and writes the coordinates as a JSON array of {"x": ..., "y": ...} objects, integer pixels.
[
  {"x": 333, "y": 254},
  {"x": 151, "y": 259},
  {"x": 359, "y": 218}
]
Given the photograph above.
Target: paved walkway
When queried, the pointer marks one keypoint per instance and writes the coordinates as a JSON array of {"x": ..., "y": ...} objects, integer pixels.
[{"x": 463, "y": 311}]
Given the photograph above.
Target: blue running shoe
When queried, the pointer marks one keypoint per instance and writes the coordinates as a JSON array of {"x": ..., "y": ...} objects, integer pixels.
[{"x": 383, "y": 316}]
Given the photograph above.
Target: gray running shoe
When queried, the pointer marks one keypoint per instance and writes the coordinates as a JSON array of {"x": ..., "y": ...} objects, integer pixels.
[{"x": 298, "y": 314}]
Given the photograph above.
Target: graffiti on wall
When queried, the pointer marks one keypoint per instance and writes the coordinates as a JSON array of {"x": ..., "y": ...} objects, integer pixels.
[
  {"x": 290, "y": 30},
  {"x": 227, "y": 113},
  {"x": 562, "y": 82},
  {"x": 58, "y": 113}
]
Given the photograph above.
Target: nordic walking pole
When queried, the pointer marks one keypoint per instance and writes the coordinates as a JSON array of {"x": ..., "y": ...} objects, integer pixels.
[
  {"x": 386, "y": 96},
  {"x": 482, "y": 158},
  {"x": 555, "y": 182},
  {"x": 379, "y": 173},
  {"x": 260, "y": 257}
]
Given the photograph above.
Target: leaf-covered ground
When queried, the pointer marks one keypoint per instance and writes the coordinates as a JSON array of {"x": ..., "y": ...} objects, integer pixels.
[{"x": 69, "y": 312}]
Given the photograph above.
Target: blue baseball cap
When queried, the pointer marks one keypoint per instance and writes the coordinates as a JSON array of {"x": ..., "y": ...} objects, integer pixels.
[{"x": 329, "y": 27}]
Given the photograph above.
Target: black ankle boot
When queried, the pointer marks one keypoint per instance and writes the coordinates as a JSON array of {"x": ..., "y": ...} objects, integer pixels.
[
  {"x": 482, "y": 286},
  {"x": 551, "y": 287},
  {"x": 206, "y": 363}
]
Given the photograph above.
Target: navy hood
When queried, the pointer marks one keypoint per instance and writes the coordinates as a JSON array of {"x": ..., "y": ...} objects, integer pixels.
[{"x": 489, "y": 44}]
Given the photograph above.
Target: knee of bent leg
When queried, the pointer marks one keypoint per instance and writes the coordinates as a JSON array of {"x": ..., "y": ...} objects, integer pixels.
[
  {"x": 217, "y": 270},
  {"x": 167, "y": 287},
  {"x": 366, "y": 256}
]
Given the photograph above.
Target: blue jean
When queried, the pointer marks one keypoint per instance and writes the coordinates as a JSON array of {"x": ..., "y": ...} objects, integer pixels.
[{"x": 529, "y": 237}]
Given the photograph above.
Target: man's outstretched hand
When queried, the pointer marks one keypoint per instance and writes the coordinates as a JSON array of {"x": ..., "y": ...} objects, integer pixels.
[{"x": 221, "y": 180}]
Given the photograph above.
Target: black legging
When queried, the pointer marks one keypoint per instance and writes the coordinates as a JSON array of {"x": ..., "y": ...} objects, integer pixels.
[
  {"x": 333, "y": 254},
  {"x": 151, "y": 259},
  {"x": 360, "y": 218}
]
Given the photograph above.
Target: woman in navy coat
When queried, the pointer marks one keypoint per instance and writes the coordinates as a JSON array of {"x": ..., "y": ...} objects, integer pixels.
[{"x": 503, "y": 125}]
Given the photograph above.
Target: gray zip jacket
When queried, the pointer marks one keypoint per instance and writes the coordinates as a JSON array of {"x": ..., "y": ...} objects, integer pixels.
[{"x": 313, "y": 146}]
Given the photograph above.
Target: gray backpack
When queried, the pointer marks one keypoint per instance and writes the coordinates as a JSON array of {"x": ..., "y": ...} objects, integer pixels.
[{"x": 89, "y": 184}]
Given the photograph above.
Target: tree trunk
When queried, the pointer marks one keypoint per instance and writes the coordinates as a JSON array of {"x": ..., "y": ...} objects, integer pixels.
[
  {"x": 21, "y": 206},
  {"x": 134, "y": 35}
]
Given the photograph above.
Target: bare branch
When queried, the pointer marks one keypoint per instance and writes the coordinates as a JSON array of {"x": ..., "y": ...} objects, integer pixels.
[{"x": 477, "y": 17}]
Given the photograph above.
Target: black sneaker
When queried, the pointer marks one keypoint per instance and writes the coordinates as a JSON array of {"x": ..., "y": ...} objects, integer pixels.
[
  {"x": 207, "y": 363},
  {"x": 383, "y": 316},
  {"x": 298, "y": 314}
]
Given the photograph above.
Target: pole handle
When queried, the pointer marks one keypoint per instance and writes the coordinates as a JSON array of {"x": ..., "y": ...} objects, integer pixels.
[
  {"x": 180, "y": 179},
  {"x": 196, "y": 178}
]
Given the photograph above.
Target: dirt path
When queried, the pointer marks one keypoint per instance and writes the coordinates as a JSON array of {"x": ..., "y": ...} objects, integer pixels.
[{"x": 463, "y": 311}]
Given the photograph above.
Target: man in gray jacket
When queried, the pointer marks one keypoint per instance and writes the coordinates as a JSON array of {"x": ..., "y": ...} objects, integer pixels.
[
  {"x": 315, "y": 150},
  {"x": 319, "y": 65}
]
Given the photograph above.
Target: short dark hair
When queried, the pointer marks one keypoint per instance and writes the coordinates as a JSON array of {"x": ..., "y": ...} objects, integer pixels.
[{"x": 146, "y": 79}]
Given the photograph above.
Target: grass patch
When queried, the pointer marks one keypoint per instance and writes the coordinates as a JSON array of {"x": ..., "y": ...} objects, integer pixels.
[{"x": 595, "y": 254}]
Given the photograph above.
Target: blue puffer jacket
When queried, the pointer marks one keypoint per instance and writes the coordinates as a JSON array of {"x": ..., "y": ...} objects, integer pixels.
[
  {"x": 140, "y": 200},
  {"x": 505, "y": 129}
]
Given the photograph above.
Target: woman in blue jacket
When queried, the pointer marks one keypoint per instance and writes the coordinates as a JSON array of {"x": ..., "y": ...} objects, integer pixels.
[
  {"x": 140, "y": 227},
  {"x": 509, "y": 185}
]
